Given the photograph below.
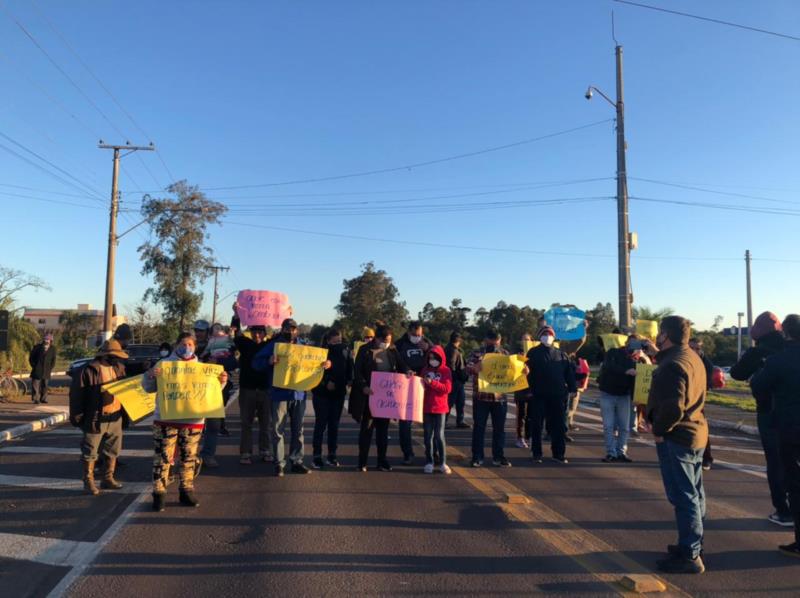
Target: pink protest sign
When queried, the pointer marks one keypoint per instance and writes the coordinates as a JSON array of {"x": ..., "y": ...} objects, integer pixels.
[
  {"x": 396, "y": 396},
  {"x": 266, "y": 308}
]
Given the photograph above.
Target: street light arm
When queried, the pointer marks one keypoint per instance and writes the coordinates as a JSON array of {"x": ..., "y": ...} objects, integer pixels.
[{"x": 605, "y": 97}]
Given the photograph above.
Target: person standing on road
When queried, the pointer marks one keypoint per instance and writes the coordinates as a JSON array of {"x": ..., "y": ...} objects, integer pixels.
[
  {"x": 458, "y": 368},
  {"x": 412, "y": 348},
  {"x": 616, "y": 383},
  {"x": 780, "y": 379},
  {"x": 380, "y": 355},
  {"x": 253, "y": 400},
  {"x": 438, "y": 382},
  {"x": 551, "y": 378},
  {"x": 768, "y": 337},
  {"x": 185, "y": 433},
  {"x": 582, "y": 372},
  {"x": 201, "y": 330},
  {"x": 522, "y": 401},
  {"x": 328, "y": 398},
  {"x": 675, "y": 412},
  {"x": 42, "y": 359},
  {"x": 485, "y": 405},
  {"x": 219, "y": 351},
  {"x": 99, "y": 415},
  {"x": 696, "y": 345},
  {"x": 285, "y": 404}
]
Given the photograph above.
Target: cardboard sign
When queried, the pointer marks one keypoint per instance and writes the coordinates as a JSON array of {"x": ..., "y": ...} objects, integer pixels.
[
  {"x": 356, "y": 346},
  {"x": 644, "y": 380},
  {"x": 135, "y": 400},
  {"x": 189, "y": 390},
  {"x": 264, "y": 308},
  {"x": 502, "y": 373},
  {"x": 299, "y": 367},
  {"x": 613, "y": 341},
  {"x": 569, "y": 323},
  {"x": 528, "y": 345},
  {"x": 396, "y": 396},
  {"x": 647, "y": 329}
]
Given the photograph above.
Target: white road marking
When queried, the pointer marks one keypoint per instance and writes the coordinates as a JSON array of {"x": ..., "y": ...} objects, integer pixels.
[
  {"x": 49, "y": 551},
  {"x": 77, "y": 432},
  {"x": 62, "y": 484},
  {"x": 58, "y": 450}
]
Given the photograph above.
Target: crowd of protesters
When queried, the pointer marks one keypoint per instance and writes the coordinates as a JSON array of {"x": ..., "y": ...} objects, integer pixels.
[{"x": 674, "y": 413}]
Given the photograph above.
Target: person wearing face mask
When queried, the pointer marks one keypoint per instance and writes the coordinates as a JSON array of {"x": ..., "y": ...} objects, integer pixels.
[
  {"x": 438, "y": 382},
  {"x": 380, "y": 355},
  {"x": 99, "y": 415},
  {"x": 412, "y": 348},
  {"x": 675, "y": 413},
  {"x": 522, "y": 401},
  {"x": 616, "y": 382},
  {"x": 551, "y": 379},
  {"x": 458, "y": 368},
  {"x": 328, "y": 398},
  {"x": 285, "y": 404},
  {"x": 485, "y": 405},
  {"x": 42, "y": 358}
]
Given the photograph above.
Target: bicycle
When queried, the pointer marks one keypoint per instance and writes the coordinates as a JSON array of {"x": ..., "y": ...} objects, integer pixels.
[{"x": 11, "y": 386}]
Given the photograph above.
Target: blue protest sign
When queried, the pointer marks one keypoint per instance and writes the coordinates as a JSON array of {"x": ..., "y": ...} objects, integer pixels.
[{"x": 569, "y": 323}]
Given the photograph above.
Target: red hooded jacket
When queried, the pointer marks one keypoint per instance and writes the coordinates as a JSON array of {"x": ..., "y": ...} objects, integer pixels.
[{"x": 438, "y": 383}]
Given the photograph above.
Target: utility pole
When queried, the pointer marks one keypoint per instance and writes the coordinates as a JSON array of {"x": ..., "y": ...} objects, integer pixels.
[
  {"x": 747, "y": 259},
  {"x": 217, "y": 270},
  {"x": 112, "y": 230}
]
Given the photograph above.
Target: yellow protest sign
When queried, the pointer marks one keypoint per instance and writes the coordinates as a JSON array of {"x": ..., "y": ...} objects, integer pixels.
[
  {"x": 356, "y": 346},
  {"x": 613, "y": 341},
  {"x": 647, "y": 329},
  {"x": 135, "y": 400},
  {"x": 299, "y": 367},
  {"x": 189, "y": 390},
  {"x": 528, "y": 345},
  {"x": 502, "y": 373},
  {"x": 644, "y": 379}
]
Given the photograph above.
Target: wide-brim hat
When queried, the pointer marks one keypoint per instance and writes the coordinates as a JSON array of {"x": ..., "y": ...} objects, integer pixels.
[{"x": 112, "y": 348}]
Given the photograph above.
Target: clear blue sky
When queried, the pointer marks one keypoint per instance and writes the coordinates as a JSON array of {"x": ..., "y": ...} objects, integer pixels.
[{"x": 244, "y": 93}]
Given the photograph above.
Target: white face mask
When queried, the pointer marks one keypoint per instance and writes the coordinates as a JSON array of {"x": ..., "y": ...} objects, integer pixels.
[
  {"x": 164, "y": 353},
  {"x": 547, "y": 340},
  {"x": 414, "y": 339},
  {"x": 383, "y": 345},
  {"x": 434, "y": 363}
]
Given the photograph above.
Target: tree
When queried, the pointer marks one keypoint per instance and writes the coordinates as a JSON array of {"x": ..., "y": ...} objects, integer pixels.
[
  {"x": 147, "y": 328},
  {"x": 76, "y": 328},
  {"x": 645, "y": 313},
  {"x": 22, "y": 336},
  {"x": 718, "y": 320},
  {"x": 602, "y": 320},
  {"x": 13, "y": 281},
  {"x": 369, "y": 297},
  {"x": 178, "y": 258}
]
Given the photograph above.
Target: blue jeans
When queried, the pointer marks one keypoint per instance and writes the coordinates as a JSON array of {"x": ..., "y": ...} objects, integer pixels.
[
  {"x": 293, "y": 410},
  {"x": 406, "y": 444},
  {"x": 457, "y": 399},
  {"x": 211, "y": 436},
  {"x": 769, "y": 441},
  {"x": 433, "y": 428},
  {"x": 682, "y": 474},
  {"x": 481, "y": 410},
  {"x": 616, "y": 412}
]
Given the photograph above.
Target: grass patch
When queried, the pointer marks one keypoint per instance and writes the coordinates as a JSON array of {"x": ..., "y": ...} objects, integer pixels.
[{"x": 737, "y": 402}]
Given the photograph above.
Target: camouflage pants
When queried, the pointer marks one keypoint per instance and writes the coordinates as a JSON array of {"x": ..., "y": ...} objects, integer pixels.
[{"x": 165, "y": 438}]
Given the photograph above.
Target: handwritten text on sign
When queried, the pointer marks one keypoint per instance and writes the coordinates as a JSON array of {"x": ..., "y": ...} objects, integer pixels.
[
  {"x": 396, "y": 396},
  {"x": 135, "y": 400},
  {"x": 265, "y": 308},
  {"x": 189, "y": 390},
  {"x": 644, "y": 380},
  {"x": 502, "y": 373},
  {"x": 299, "y": 367}
]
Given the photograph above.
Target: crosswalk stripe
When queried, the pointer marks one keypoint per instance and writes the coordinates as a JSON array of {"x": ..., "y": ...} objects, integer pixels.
[
  {"x": 61, "y": 484},
  {"x": 58, "y": 450},
  {"x": 49, "y": 551},
  {"x": 77, "y": 432}
]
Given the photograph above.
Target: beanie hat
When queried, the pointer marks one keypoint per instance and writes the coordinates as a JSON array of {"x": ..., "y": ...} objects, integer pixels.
[
  {"x": 367, "y": 331},
  {"x": 546, "y": 330},
  {"x": 764, "y": 324}
]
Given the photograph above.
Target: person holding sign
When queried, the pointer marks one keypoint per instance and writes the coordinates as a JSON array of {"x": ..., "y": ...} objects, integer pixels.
[
  {"x": 378, "y": 356},
  {"x": 413, "y": 348},
  {"x": 438, "y": 382},
  {"x": 486, "y": 404},
  {"x": 99, "y": 415},
  {"x": 329, "y": 398},
  {"x": 285, "y": 403},
  {"x": 169, "y": 432},
  {"x": 522, "y": 399},
  {"x": 551, "y": 378}
]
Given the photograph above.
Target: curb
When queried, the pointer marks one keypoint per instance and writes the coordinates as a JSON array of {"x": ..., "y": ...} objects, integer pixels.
[
  {"x": 34, "y": 426},
  {"x": 717, "y": 423}
]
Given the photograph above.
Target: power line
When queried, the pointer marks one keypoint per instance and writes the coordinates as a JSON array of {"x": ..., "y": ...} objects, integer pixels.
[
  {"x": 415, "y": 164},
  {"x": 56, "y": 201},
  {"x": 710, "y": 20},
  {"x": 734, "y": 208},
  {"x": 728, "y": 193}
]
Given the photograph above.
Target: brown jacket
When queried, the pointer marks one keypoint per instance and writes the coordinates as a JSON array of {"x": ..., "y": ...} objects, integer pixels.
[
  {"x": 677, "y": 397},
  {"x": 89, "y": 406}
]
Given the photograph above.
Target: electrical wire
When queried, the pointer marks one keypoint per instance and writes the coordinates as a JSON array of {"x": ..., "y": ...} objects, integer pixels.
[
  {"x": 56, "y": 201},
  {"x": 727, "y": 193},
  {"x": 729, "y": 207}
]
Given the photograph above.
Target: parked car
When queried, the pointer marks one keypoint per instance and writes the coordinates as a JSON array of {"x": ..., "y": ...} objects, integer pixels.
[{"x": 140, "y": 358}]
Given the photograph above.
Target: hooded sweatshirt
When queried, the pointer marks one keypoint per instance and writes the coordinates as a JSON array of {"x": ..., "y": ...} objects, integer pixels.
[
  {"x": 438, "y": 383},
  {"x": 150, "y": 384},
  {"x": 769, "y": 341},
  {"x": 412, "y": 355}
]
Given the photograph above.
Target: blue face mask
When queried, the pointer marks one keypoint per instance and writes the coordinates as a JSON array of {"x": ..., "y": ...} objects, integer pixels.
[{"x": 184, "y": 352}]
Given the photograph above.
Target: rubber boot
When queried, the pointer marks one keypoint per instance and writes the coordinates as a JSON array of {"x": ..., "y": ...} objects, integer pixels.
[
  {"x": 187, "y": 498},
  {"x": 159, "y": 501},
  {"x": 109, "y": 482},
  {"x": 88, "y": 478}
]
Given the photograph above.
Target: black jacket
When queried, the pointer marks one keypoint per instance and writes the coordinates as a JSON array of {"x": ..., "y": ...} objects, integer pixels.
[
  {"x": 551, "y": 374},
  {"x": 412, "y": 355},
  {"x": 612, "y": 379},
  {"x": 86, "y": 399},
  {"x": 340, "y": 373},
  {"x": 456, "y": 363},
  {"x": 753, "y": 360},
  {"x": 248, "y": 377},
  {"x": 42, "y": 362},
  {"x": 780, "y": 378},
  {"x": 358, "y": 406},
  {"x": 709, "y": 370}
]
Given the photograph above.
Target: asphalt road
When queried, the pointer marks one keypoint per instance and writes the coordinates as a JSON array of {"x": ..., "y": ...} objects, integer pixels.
[{"x": 342, "y": 532}]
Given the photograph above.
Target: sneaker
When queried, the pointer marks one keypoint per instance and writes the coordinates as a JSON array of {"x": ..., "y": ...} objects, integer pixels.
[
  {"x": 317, "y": 463},
  {"x": 707, "y": 465},
  {"x": 536, "y": 458},
  {"x": 445, "y": 469},
  {"x": 675, "y": 550},
  {"x": 223, "y": 431},
  {"x": 782, "y": 520},
  {"x": 678, "y": 564},
  {"x": 384, "y": 466},
  {"x": 362, "y": 468},
  {"x": 300, "y": 468},
  {"x": 332, "y": 461},
  {"x": 562, "y": 460},
  {"x": 623, "y": 458},
  {"x": 501, "y": 462},
  {"x": 211, "y": 462},
  {"x": 43, "y": 401},
  {"x": 266, "y": 457},
  {"x": 279, "y": 471},
  {"x": 521, "y": 443},
  {"x": 408, "y": 460},
  {"x": 790, "y": 549},
  {"x": 245, "y": 459},
  {"x": 428, "y": 468},
  {"x": 568, "y": 438},
  {"x": 476, "y": 463},
  {"x": 609, "y": 459},
  {"x": 463, "y": 425}
]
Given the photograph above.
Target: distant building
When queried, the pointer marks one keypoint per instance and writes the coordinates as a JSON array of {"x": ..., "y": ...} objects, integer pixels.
[{"x": 48, "y": 320}]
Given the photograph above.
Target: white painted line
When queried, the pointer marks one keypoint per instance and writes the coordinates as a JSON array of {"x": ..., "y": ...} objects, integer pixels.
[
  {"x": 63, "y": 484},
  {"x": 49, "y": 551},
  {"x": 33, "y": 426},
  {"x": 57, "y": 450},
  {"x": 79, "y": 432}
]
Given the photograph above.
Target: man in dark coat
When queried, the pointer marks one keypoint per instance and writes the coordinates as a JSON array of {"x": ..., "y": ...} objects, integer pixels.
[{"x": 42, "y": 359}]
